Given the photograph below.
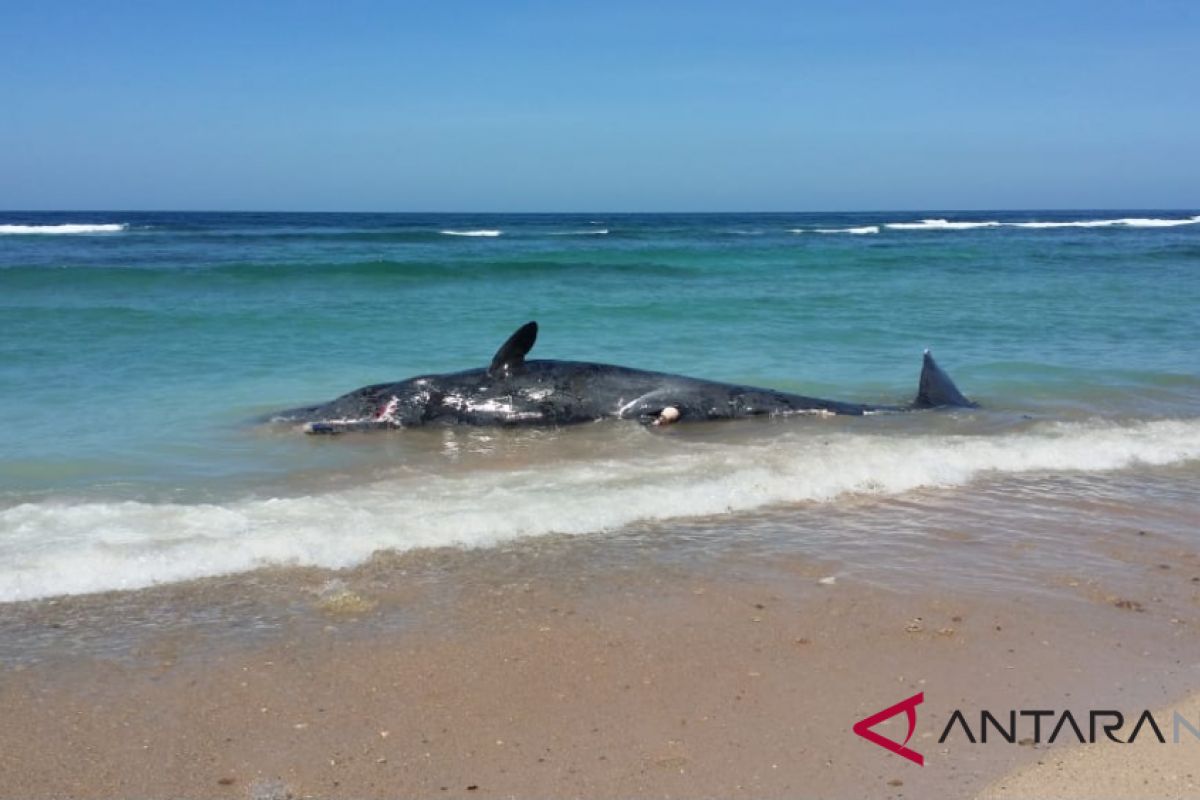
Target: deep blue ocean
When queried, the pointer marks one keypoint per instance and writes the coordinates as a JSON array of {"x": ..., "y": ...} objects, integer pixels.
[{"x": 137, "y": 349}]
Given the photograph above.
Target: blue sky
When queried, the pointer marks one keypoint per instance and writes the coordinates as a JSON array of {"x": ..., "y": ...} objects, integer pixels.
[{"x": 614, "y": 106}]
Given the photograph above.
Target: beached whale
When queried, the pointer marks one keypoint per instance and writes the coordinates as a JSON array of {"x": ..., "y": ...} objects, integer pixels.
[{"x": 515, "y": 392}]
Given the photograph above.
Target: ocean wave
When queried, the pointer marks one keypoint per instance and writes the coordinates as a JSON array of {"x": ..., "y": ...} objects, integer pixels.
[
  {"x": 486, "y": 232},
  {"x": 1127, "y": 222},
  {"x": 64, "y": 228},
  {"x": 1123, "y": 222},
  {"x": 51, "y": 548},
  {"x": 859, "y": 231},
  {"x": 442, "y": 270},
  {"x": 590, "y": 232},
  {"x": 940, "y": 225}
]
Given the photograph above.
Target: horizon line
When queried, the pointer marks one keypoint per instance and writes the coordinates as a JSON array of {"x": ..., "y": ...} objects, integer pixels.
[{"x": 1056, "y": 209}]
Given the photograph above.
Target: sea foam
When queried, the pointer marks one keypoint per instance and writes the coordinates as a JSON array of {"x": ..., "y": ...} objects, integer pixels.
[
  {"x": 483, "y": 232},
  {"x": 859, "y": 231},
  {"x": 1122, "y": 222},
  {"x": 1128, "y": 222},
  {"x": 54, "y": 547},
  {"x": 61, "y": 229},
  {"x": 940, "y": 225}
]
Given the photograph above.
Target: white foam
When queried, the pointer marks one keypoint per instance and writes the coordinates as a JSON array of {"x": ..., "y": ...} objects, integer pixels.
[
  {"x": 1128, "y": 222},
  {"x": 1087, "y": 223},
  {"x": 50, "y": 548},
  {"x": 1159, "y": 223},
  {"x": 61, "y": 229},
  {"x": 859, "y": 231},
  {"x": 484, "y": 232},
  {"x": 940, "y": 225},
  {"x": 1123, "y": 222}
]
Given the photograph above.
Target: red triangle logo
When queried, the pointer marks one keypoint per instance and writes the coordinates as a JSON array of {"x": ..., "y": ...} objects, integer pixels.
[{"x": 909, "y": 706}]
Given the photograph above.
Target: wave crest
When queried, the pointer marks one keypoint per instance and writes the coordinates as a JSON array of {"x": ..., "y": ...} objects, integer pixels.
[
  {"x": 862, "y": 230},
  {"x": 63, "y": 228},
  {"x": 1127, "y": 222},
  {"x": 940, "y": 225},
  {"x": 50, "y": 548},
  {"x": 1123, "y": 222}
]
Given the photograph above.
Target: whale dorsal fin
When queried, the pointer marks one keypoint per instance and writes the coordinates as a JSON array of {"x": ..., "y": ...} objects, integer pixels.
[{"x": 511, "y": 354}]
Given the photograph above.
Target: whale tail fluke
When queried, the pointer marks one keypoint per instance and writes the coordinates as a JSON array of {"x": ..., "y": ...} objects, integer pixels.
[{"x": 936, "y": 390}]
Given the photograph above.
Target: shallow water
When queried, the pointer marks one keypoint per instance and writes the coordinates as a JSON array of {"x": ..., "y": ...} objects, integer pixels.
[{"x": 134, "y": 358}]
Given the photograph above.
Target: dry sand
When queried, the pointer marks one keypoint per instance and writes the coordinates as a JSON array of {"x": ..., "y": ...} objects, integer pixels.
[{"x": 1144, "y": 769}]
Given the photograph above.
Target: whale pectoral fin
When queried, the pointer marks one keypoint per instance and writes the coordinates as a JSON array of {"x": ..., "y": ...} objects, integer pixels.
[
  {"x": 348, "y": 426},
  {"x": 511, "y": 354}
]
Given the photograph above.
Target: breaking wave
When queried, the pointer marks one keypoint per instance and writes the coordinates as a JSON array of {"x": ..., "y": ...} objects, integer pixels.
[
  {"x": 486, "y": 232},
  {"x": 1123, "y": 222},
  {"x": 859, "y": 231},
  {"x": 939, "y": 225},
  {"x": 55, "y": 547},
  {"x": 64, "y": 228},
  {"x": 1127, "y": 222}
]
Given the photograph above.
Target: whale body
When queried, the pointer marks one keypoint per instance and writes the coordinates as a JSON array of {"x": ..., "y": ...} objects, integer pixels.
[{"x": 512, "y": 391}]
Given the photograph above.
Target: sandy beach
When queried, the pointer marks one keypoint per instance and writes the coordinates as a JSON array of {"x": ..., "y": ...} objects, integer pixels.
[
  {"x": 1142, "y": 769},
  {"x": 563, "y": 667},
  {"x": 620, "y": 400}
]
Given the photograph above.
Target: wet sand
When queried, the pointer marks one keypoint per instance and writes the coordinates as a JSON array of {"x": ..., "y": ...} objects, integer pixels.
[{"x": 556, "y": 668}]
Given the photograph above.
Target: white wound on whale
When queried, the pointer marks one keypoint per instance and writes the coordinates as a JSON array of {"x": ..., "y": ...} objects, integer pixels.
[
  {"x": 623, "y": 409},
  {"x": 387, "y": 412},
  {"x": 489, "y": 406}
]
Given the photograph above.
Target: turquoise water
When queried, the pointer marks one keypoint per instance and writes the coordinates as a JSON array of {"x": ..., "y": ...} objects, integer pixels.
[{"x": 135, "y": 355}]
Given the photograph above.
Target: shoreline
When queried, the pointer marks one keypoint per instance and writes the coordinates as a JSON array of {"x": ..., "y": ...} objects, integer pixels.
[{"x": 604, "y": 665}]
